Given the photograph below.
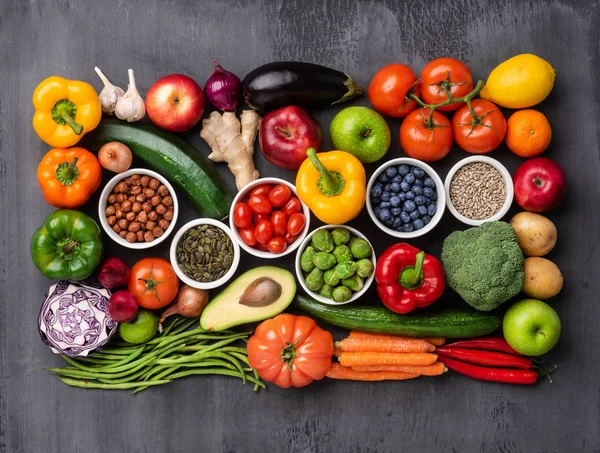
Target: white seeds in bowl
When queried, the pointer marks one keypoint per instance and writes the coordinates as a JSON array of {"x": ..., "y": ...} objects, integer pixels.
[{"x": 477, "y": 191}]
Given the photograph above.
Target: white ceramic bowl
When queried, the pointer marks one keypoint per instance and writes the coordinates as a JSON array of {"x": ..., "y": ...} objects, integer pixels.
[
  {"x": 102, "y": 205},
  {"x": 190, "y": 281},
  {"x": 510, "y": 191},
  {"x": 251, "y": 250},
  {"x": 440, "y": 202},
  {"x": 300, "y": 273}
]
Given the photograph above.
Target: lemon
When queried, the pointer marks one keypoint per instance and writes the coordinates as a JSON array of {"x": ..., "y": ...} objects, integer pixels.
[{"x": 519, "y": 82}]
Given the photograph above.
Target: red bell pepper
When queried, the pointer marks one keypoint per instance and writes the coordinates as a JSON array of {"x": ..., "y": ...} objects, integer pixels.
[{"x": 407, "y": 278}]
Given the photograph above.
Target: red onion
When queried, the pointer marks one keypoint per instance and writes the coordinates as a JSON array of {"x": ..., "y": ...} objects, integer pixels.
[
  {"x": 113, "y": 273},
  {"x": 223, "y": 89},
  {"x": 122, "y": 306}
]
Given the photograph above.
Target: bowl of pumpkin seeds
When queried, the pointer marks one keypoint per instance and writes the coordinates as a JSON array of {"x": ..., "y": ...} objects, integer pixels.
[{"x": 204, "y": 254}]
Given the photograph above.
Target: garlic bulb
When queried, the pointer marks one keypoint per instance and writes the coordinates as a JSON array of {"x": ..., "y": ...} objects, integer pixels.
[
  {"x": 131, "y": 106},
  {"x": 110, "y": 94}
]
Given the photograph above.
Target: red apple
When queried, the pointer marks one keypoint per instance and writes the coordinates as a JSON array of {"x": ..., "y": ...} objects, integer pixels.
[
  {"x": 285, "y": 135},
  {"x": 539, "y": 184},
  {"x": 175, "y": 103}
]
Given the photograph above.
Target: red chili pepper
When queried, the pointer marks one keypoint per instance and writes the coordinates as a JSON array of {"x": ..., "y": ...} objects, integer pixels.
[
  {"x": 485, "y": 358},
  {"x": 407, "y": 278},
  {"x": 506, "y": 375},
  {"x": 487, "y": 343}
]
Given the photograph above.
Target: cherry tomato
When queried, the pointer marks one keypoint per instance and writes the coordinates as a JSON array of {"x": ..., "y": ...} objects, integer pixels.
[
  {"x": 279, "y": 195},
  {"x": 389, "y": 89},
  {"x": 279, "y": 223},
  {"x": 262, "y": 189},
  {"x": 296, "y": 223},
  {"x": 486, "y": 135},
  {"x": 259, "y": 204},
  {"x": 423, "y": 141},
  {"x": 277, "y": 245},
  {"x": 247, "y": 235},
  {"x": 259, "y": 217},
  {"x": 262, "y": 247},
  {"x": 290, "y": 239},
  {"x": 263, "y": 231},
  {"x": 293, "y": 205},
  {"x": 445, "y": 74},
  {"x": 242, "y": 215}
]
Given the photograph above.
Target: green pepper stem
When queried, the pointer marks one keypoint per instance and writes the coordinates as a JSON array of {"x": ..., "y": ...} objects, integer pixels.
[
  {"x": 67, "y": 173},
  {"x": 64, "y": 113},
  {"x": 411, "y": 277},
  {"x": 330, "y": 183},
  {"x": 67, "y": 248}
]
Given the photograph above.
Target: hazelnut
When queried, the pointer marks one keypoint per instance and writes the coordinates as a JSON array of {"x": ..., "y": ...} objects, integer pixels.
[
  {"x": 126, "y": 206},
  {"x": 123, "y": 233},
  {"x": 112, "y": 198},
  {"x": 156, "y": 199},
  {"x": 109, "y": 211},
  {"x": 147, "y": 207},
  {"x": 116, "y": 228},
  {"x": 168, "y": 215},
  {"x": 164, "y": 224},
  {"x": 162, "y": 191},
  {"x": 122, "y": 187},
  {"x": 131, "y": 237},
  {"x": 119, "y": 213},
  {"x": 140, "y": 236},
  {"x": 148, "y": 193},
  {"x": 136, "y": 207},
  {"x": 153, "y": 216},
  {"x": 148, "y": 236},
  {"x": 157, "y": 232},
  {"x": 140, "y": 198},
  {"x": 150, "y": 225},
  {"x": 145, "y": 180},
  {"x": 130, "y": 216},
  {"x": 154, "y": 184},
  {"x": 123, "y": 223},
  {"x": 167, "y": 201},
  {"x": 131, "y": 198},
  {"x": 134, "y": 226},
  {"x": 127, "y": 180},
  {"x": 135, "y": 190},
  {"x": 121, "y": 198},
  {"x": 142, "y": 217},
  {"x": 161, "y": 209},
  {"x": 111, "y": 220},
  {"x": 135, "y": 180}
]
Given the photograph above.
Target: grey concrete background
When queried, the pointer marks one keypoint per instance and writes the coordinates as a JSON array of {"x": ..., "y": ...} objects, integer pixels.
[{"x": 448, "y": 414}]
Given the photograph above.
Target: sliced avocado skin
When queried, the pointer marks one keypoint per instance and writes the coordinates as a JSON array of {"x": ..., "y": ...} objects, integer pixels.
[{"x": 225, "y": 311}]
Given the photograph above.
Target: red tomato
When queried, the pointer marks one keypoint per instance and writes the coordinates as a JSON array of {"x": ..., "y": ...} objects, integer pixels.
[
  {"x": 247, "y": 235},
  {"x": 153, "y": 282},
  {"x": 262, "y": 189},
  {"x": 277, "y": 245},
  {"x": 259, "y": 204},
  {"x": 259, "y": 217},
  {"x": 290, "y": 239},
  {"x": 263, "y": 231},
  {"x": 296, "y": 223},
  {"x": 293, "y": 205},
  {"x": 389, "y": 89},
  {"x": 483, "y": 135},
  {"x": 423, "y": 141},
  {"x": 279, "y": 195},
  {"x": 262, "y": 247},
  {"x": 445, "y": 74},
  {"x": 279, "y": 223},
  {"x": 242, "y": 215}
]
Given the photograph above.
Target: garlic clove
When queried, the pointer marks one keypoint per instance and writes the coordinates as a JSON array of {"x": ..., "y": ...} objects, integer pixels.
[
  {"x": 131, "y": 106},
  {"x": 110, "y": 94}
]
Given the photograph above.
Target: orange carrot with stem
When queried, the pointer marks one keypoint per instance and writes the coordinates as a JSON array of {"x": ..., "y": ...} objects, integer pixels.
[
  {"x": 384, "y": 345},
  {"x": 436, "y": 341},
  {"x": 338, "y": 371},
  {"x": 337, "y": 351},
  {"x": 434, "y": 369},
  {"x": 386, "y": 358}
]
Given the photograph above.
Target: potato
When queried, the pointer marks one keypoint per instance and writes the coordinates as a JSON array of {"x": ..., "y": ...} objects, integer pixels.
[
  {"x": 543, "y": 278},
  {"x": 537, "y": 235}
]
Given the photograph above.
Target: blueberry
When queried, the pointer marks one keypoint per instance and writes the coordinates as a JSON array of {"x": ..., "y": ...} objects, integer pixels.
[
  {"x": 395, "y": 187},
  {"x": 386, "y": 188},
  {"x": 398, "y": 179},
  {"x": 395, "y": 201},
  {"x": 376, "y": 191},
  {"x": 410, "y": 195},
  {"x": 418, "y": 224},
  {"x": 431, "y": 209},
  {"x": 376, "y": 210},
  {"x": 403, "y": 169},
  {"x": 428, "y": 192},
  {"x": 397, "y": 224},
  {"x": 426, "y": 219},
  {"x": 396, "y": 211},
  {"x": 410, "y": 178},
  {"x": 407, "y": 228},
  {"x": 429, "y": 182},
  {"x": 410, "y": 206},
  {"x": 389, "y": 222},
  {"x": 402, "y": 196},
  {"x": 391, "y": 172},
  {"x": 384, "y": 205},
  {"x": 420, "y": 200},
  {"x": 383, "y": 178},
  {"x": 385, "y": 196},
  {"x": 414, "y": 215},
  {"x": 404, "y": 186},
  {"x": 422, "y": 210},
  {"x": 384, "y": 214},
  {"x": 404, "y": 217},
  {"x": 428, "y": 201},
  {"x": 417, "y": 190},
  {"x": 375, "y": 200},
  {"x": 418, "y": 172},
  {"x": 419, "y": 182},
  {"x": 433, "y": 197}
]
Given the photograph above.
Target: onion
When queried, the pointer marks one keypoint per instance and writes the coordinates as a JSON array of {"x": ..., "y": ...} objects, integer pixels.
[
  {"x": 190, "y": 303},
  {"x": 113, "y": 273},
  {"x": 223, "y": 89},
  {"x": 115, "y": 156},
  {"x": 122, "y": 306}
]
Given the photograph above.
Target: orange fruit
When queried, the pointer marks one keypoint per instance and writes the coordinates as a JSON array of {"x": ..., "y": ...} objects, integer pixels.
[{"x": 528, "y": 133}]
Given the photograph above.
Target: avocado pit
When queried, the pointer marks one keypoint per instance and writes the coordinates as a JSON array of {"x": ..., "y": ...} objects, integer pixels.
[{"x": 261, "y": 292}]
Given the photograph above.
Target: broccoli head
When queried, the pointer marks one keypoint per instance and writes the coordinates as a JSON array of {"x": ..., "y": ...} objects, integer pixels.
[{"x": 484, "y": 264}]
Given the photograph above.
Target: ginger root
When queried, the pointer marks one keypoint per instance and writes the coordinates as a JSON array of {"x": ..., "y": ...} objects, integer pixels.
[{"x": 232, "y": 141}]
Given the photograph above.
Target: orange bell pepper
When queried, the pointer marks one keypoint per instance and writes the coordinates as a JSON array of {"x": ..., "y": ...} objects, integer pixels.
[{"x": 68, "y": 177}]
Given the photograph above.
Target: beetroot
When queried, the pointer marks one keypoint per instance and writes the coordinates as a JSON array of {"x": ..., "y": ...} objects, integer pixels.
[
  {"x": 113, "y": 273},
  {"x": 122, "y": 306}
]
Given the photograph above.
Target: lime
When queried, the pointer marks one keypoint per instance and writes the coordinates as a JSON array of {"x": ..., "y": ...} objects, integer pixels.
[{"x": 141, "y": 329}]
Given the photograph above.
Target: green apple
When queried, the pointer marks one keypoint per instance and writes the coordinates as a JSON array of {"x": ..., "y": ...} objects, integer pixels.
[
  {"x": 362, "y": 132},
  {"x": 531, "y": 327}
]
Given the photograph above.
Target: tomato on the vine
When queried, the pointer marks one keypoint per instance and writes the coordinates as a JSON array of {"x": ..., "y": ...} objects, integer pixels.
[
  {"x": 277, "y": 245},
  {"x": 242, "y": 215},
  {"x": 280, "y": 223},
  {"x": 444, "y": 75},
  {"x": 259, "y": 204},
  {"x": 279, "y": 195},
  {"x": 425, "y": 140},
  {"x": 261, "y": 189},
  {"x": 247, "y": 235},
  {"x": 263, "y": 231},
  {"x": 481, "y": 135},
  {"x": 153, "y": 282},
  {"x": 389, "y": 89},
  {"x": 293, "y": 205},
  {"x": 296, "y": 223}
]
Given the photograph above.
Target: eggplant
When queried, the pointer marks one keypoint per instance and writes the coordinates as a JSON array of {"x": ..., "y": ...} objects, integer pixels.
[{"x": 281, "y": 83}]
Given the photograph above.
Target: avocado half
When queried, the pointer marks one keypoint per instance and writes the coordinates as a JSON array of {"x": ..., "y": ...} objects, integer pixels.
[{"x": 258, "y": 294}]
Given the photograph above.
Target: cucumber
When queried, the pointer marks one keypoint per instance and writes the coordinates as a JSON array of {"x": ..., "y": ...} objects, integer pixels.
[
  {"x": 447, "y": 323},
  {"x": 182, "y": 164}
]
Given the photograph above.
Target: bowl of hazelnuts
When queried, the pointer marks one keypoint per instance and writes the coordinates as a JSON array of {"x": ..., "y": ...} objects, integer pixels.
[{"x": 138, "y": 208}]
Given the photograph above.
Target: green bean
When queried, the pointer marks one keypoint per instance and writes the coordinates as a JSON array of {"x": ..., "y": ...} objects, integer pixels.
[
  {"x": 191, "y": 372},
  {"x": 95, "y": 360},
  {"x": 134, "y": 355},
  {"x": 194, "y": 357},
  {"x": 108, "y": 356},
  {"x": 244, "y": 358},
  {"x": 171, "y": 326},
  {"x": 100, "y": 385},
  {"x": 131, "y": 377}
]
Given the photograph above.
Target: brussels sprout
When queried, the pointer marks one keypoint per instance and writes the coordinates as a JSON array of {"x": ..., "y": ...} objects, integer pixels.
[
  {"x": 306, "y": 259},
  {"x": 346, "y": 269},
  {"x": 326, "y": 291},
  {"x": 314, "y": 280},
  {"x": 360, "y": 248},
  {"x": 323, "y": 260},
  {"x": 330, "y": 277},
  {"x": 341, "y": 236},
  {"x": 322, "y": 241},
  {"x": 341, "y": 294},
  {"x": 365, "y": 268},
  {"x": 355, "y": 283},
  {"x": 342, "y": 253}
]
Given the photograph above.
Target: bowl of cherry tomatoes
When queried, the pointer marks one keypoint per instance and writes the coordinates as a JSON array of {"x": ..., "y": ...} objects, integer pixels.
[{"x": 268, "y": 219}]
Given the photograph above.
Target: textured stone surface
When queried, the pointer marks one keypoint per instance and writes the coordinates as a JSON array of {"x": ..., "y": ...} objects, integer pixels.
[{"x": 447, "y": 414}]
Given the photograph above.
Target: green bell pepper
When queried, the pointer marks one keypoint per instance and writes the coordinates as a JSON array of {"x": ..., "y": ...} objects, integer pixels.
[{"x": 67, "y": 246}]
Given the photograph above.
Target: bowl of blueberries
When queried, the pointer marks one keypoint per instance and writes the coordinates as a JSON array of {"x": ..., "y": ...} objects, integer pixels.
[{"x": 405, "y": 198}]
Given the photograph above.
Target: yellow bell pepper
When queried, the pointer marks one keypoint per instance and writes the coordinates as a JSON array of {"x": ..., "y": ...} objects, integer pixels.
[
  {"x": 65, "y": 110},
  {"x": 332, "y": 185}
]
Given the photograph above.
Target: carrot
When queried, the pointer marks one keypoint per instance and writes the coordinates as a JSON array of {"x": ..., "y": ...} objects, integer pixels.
[
  {"x": 434, "y": 369},
  {"x": 386, "y": 358},
  {"x": 384, "y": 345},
  {"x": 436, "y": 341},
  {"x": 337, "y": 351},
  {"x": 342, "y": 372}
]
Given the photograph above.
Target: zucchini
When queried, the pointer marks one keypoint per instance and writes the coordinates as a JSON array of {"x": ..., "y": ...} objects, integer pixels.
[
  {"x": 182, "y": 164},
  {"x": 447, "y": 323}
]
